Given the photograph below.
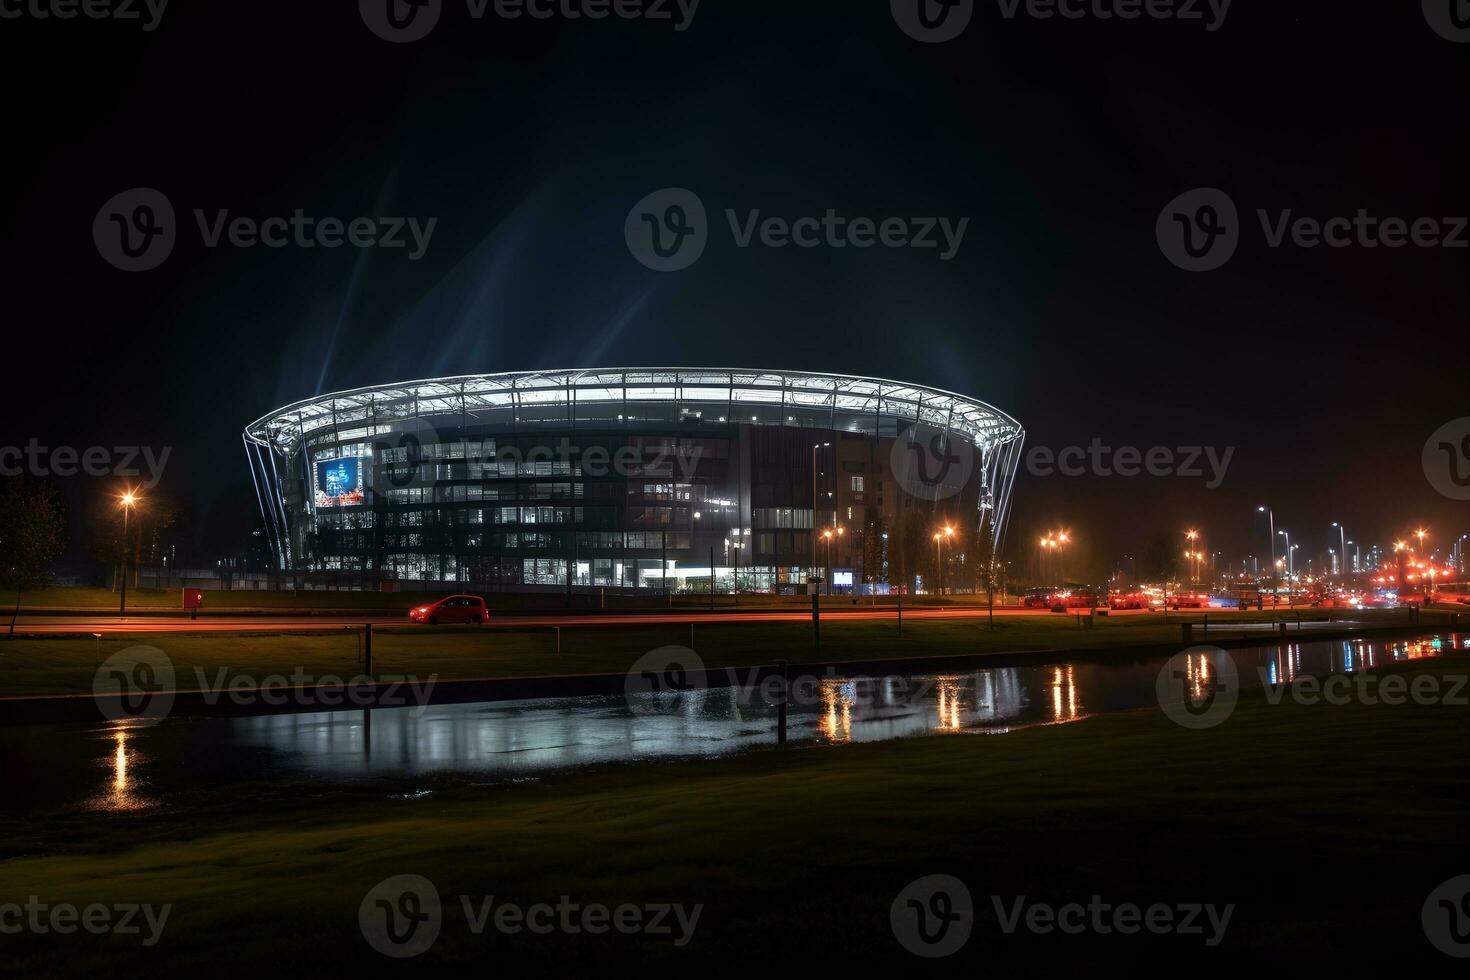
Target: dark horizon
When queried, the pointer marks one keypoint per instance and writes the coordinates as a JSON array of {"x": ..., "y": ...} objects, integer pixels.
[{"x": 1324, "y": 369}]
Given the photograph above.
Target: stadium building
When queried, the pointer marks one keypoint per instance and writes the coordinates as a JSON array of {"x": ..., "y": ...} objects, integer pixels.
[{"x": 637, "y": 478}]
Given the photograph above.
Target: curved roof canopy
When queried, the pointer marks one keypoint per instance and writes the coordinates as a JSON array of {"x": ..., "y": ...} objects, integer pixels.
[{"x": 593, "y": 398}]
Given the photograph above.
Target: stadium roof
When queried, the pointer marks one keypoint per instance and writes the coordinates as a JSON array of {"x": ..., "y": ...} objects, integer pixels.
[{"x": 589, "y": 397}]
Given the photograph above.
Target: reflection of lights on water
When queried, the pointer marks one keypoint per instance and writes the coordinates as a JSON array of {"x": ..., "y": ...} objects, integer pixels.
[
  {"x": 837, "y": 699},
  {"x": 950, "y": 690},
  {"x": 120, "y": 793},
  {"x": 1063, "y": 694}
]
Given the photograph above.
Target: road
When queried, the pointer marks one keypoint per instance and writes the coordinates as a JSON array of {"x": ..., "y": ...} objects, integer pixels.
[{"x": 103, "y": 623}]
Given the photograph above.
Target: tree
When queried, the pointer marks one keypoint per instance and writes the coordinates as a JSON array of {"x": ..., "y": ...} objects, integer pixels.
[
  {"x": 32, "y": 533},
  {"x": 873, "y": 550}
]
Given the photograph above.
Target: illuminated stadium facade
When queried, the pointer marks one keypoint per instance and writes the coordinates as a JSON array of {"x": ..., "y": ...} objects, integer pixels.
[{"x": 632, "y": 478}]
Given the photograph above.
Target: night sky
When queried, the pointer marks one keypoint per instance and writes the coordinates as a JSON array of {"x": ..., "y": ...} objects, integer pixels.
[{"x": 1060, "y": 140}]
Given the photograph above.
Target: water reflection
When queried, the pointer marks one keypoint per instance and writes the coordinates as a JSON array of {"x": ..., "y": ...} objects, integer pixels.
[
  {"x": 516, "y": 739},
  {"x": 120, "y": 793}
]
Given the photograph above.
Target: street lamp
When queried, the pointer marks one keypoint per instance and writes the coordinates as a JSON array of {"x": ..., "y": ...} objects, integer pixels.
[
  {"x": 816, "y": 447},
  {"x": 1342, "y": 544},
  {"x": 127, "y": 501},
  {"x": 1271, "y": 517},
  {"x": 940, "y": 537}
]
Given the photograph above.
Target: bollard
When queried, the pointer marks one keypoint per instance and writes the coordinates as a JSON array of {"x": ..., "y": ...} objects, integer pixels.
[
  {"x": 781, "y": 700},
  {"x": 1207, "y": 625},
  {"x": 1282, "y": 625},
  {"x": 691, "y": 634},
  {"x": 367, "y": 649}
]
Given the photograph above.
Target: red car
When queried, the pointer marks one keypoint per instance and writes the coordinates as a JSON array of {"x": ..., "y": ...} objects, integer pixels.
[
  {"x": 455, "y": 609},
  {"x": 1128, "y": 600}
]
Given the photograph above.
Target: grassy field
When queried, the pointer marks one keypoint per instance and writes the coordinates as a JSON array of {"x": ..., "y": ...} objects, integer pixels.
[
  {"x": 1325, "y": 826},
  {"x": 65, "y": 665}
]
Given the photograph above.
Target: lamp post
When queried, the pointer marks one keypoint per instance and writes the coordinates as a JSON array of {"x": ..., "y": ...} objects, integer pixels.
[
  {"x": 1342, "y": 544},
  {"x": 127, "y": 501},
  {"x": 1193, "y": 536},
  {"x": 1271, "y": 518},
  {"x": 816, "y": 447}
]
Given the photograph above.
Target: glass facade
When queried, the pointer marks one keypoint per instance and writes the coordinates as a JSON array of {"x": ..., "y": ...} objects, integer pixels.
[{"x": 590, "y": 484}]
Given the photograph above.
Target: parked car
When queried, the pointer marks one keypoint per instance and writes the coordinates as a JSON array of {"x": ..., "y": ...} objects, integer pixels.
[
  {"x": 1039, "y": 598},
  {"x": 1189, "y": 600},
  {"x": 452, "y": 610},
  {"x": 1128, "y": 600}
]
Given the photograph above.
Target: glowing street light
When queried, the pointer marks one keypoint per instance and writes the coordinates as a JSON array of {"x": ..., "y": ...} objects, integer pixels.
[{"x": 127, "y": 501}]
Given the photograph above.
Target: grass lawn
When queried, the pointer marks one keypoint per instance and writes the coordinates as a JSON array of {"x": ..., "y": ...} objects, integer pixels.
[
  {"x": 66, "y": 664},
  {"x": 1325, "y": 826}
]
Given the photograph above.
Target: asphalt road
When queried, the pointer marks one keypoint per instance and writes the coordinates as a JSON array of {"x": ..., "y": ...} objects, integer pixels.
[{"x": 101, "y": 623}]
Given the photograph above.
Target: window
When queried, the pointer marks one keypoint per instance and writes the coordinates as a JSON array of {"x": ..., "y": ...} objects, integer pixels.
[{"x": 857, "y": 484}]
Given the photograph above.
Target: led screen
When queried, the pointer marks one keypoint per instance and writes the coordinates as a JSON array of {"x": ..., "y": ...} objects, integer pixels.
[{"x": 338, "y": 482}]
